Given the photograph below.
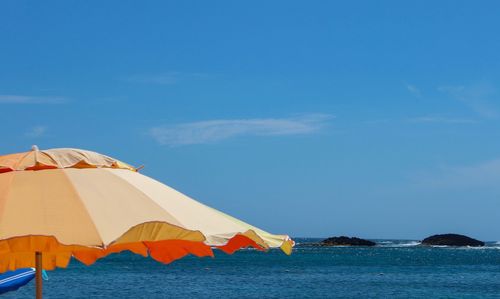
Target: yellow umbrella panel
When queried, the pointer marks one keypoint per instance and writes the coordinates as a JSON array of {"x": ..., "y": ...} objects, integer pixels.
[{"x": 74, "y": 203}]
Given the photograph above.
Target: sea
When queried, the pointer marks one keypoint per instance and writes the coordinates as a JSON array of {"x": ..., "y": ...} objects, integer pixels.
[{"x": 392, "y": 269}]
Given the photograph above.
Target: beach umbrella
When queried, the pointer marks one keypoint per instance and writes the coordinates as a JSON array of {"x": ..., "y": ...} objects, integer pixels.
[{"x": 59, "y": 204}]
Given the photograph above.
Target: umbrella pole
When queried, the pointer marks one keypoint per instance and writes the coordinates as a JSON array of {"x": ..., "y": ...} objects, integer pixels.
[{"x": 38, "y": 274}]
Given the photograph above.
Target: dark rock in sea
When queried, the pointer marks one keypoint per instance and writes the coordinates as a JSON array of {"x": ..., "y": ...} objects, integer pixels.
[
  {"x": 451, "y": 240},
  {"x": 346, "y": 241}
]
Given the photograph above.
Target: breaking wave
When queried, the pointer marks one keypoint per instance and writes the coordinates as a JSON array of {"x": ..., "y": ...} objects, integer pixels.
[{"x": 398, "y": 243}]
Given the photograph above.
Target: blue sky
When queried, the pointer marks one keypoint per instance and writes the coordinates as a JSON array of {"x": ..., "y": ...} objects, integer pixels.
[{"x": 314, "y": 118}]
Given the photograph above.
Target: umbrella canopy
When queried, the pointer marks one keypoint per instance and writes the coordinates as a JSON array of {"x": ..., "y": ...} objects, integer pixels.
[{"x": 75, "y": 203}]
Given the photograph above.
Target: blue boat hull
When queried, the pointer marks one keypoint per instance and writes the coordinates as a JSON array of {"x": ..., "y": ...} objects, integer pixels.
[{"x": 12, "y": 280}]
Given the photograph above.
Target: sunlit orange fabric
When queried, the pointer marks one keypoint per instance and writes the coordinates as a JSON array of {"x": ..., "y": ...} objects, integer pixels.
[
  {"x": 88, "y": 256},
  {"x": 19, "y": 252},
  {"x": 170, "y": 250},
  {"x": 237, "y": 242}
]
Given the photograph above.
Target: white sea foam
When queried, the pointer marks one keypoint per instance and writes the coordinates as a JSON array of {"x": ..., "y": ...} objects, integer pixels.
[
  {"x": 489, "y": 246},
  {"x": 385, "y": 242},
  {"x": 408, "y": 244},
  {"x": 398, "y": 243},
  {"x": 478, "y": 248}
]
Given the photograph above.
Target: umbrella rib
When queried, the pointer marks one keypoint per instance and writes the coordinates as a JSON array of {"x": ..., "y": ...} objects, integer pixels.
[
  {"x": 53, "y": 159},
  {"x": 85, "y": 207},
  {"x": 16, "y": 166},
  {"x": 181, "y": 225}
]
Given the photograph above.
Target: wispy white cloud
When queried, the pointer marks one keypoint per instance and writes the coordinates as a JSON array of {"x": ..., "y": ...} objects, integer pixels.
[
  {"x": 477, "y": 97},
  {"x": 22, "y": 99},
  {"x": 413, "y": 90},
  {"x": 36, "y": 131},
  {"x": 216, "y": 130},
  {"x": 168, "y": 78},
  {"x": 441, "y": 119}
]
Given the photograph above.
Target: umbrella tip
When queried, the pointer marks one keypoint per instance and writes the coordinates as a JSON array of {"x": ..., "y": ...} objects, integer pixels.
[{"x": 34, "y": 148}]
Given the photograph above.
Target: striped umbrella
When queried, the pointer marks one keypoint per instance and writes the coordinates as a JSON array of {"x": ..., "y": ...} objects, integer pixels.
[{"x": 61, "y": 203}]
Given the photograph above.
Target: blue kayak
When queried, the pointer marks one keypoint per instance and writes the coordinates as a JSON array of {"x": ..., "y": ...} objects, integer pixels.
[{"x": 12, "y": 280}]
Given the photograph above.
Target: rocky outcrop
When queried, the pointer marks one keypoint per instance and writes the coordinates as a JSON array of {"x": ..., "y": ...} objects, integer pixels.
[
  {"x": 346, "y": 241},
  {"x": 451, "y": 240}
]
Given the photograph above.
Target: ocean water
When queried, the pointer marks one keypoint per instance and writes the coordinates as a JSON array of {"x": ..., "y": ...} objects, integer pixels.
[{"x": 394, "y": 269}]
